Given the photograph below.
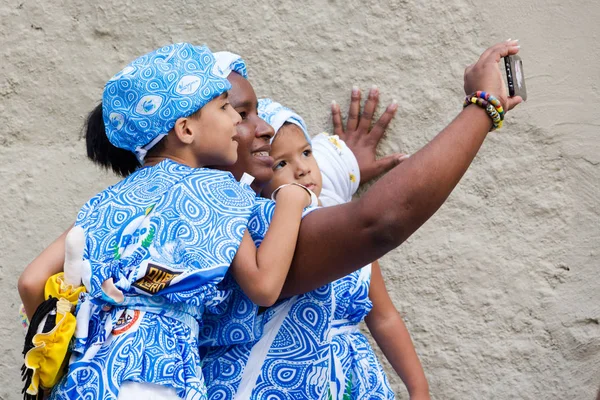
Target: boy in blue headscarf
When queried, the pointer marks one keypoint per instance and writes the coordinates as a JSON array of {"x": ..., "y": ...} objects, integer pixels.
[{"x": 158, "y": 242}]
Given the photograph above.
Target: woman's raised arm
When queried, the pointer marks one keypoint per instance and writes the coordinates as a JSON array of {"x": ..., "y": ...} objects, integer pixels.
[{"x": 338, "y": 240}]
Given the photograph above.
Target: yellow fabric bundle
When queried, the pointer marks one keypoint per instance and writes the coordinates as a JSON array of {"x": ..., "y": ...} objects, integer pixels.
[
  {"x": 57, "y": 287},
  {"x": 49, "y": 354}
]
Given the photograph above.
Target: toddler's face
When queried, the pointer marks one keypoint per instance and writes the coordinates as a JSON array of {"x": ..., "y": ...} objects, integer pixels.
[{"x": 294, "y": 161}]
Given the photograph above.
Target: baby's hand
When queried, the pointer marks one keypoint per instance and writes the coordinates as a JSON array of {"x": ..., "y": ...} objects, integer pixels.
[{"x": 293, "y": 192}]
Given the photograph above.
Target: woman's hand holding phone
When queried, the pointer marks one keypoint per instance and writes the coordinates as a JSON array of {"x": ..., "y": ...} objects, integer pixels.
[{"x": 485, "y": 74}]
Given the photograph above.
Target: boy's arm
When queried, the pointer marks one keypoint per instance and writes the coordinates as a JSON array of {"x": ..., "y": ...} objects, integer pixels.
[
  {"x": 33, "y": 279},
  {"x": 392, "y": 337},
  {"x": 261, "y": 272}
]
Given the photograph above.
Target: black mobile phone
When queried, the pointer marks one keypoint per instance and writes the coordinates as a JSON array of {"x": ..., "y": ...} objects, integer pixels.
[{"x": 515, "y": 77}]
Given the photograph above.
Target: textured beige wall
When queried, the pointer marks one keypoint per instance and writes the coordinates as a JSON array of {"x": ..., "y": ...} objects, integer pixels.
[{"x": 500, "y": 289}]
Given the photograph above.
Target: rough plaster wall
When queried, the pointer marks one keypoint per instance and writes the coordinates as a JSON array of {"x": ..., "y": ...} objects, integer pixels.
[{"x": 500, "y": 288}]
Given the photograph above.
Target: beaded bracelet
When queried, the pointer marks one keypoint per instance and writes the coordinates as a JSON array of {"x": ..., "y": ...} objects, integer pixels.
[
  {"x": 493, "y": 100},
  {"x": 489, "y": 108},
  {"x": 314, "y": 201},
  {"x": 488, "y": 98},
  {"x": 490, "y": 104}
]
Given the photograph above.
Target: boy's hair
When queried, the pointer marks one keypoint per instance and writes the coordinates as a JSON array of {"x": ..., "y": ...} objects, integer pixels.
[{"x": 103, "y": 153}]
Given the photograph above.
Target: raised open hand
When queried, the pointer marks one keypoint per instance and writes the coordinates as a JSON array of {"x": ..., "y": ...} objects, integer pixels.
[{"x": 361, "y": 138}]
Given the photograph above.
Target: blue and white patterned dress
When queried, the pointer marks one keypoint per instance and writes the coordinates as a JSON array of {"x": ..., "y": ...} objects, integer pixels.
[
  {"x": 166, "y": 235},
  {"x": 311, "y": 347},
  {"x": 355, "y": 370},
  {"x": 290, "y": 361}
]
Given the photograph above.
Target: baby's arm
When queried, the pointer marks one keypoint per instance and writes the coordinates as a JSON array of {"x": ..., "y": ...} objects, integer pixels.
[
  {"x": 261, "y": 272},
  {"x": 33, "y": 279},
  {"x": 390, "y": 333}
]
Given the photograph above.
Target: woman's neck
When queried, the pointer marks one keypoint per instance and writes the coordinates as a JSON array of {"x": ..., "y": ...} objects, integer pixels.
[{"x": 257, "y": 187}]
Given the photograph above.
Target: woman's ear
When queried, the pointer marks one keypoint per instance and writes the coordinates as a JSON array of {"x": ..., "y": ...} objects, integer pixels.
[{"x": 183, "y": 130}]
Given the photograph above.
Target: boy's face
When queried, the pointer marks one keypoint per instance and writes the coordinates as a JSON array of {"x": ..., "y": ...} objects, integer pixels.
[
  {"x": 294, "y": 161},
  {"x": 215, "y": 129}
]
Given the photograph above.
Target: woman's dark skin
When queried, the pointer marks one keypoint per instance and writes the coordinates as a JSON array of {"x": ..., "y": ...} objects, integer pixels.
[
  {"x": 253, "y": 135},
  {"x": 338, "y": 240}
]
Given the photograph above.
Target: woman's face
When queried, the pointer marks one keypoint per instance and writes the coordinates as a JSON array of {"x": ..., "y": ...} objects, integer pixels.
[{"x": 253, "y": 135}]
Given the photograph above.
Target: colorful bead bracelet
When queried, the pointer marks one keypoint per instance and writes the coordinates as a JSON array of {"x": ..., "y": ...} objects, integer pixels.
[
  {"x": 490, "y": 104},
  {"x": 493, "y": 100}
]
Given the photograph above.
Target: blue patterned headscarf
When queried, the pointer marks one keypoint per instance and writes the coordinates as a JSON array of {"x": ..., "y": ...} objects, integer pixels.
[
  {"x": 141, "y": 103},
  {"x": 276, "y": 115},
  {"x": 229, "y": 62}
]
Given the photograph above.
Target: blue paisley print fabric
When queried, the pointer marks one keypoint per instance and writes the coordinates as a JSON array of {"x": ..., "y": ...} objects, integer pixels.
[
  {"x": 290, "y": 361},
  {"x": 141, "y": 103},
  {"x": 276, "y": 115},
  {"x": 355, "y": 370},
  {"x": 311, "y": 346},
  {"x": 166, "y": 235}
]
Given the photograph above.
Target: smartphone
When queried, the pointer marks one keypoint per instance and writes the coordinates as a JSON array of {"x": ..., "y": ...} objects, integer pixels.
[{"x": 515, "y": 77}]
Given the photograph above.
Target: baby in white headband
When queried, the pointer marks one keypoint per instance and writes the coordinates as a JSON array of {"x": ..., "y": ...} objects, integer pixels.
[{"x": 291, "y": 149}]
